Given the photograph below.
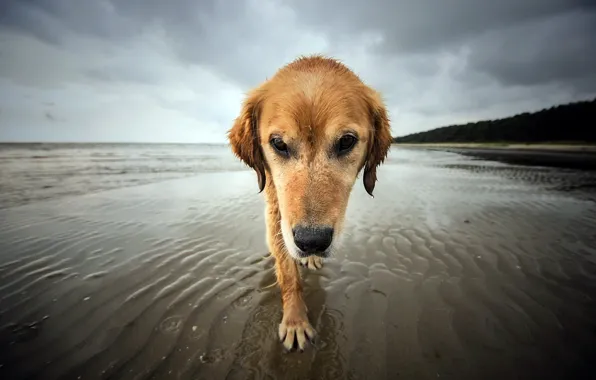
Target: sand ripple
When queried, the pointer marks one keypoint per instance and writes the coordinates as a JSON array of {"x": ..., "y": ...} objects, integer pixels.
[{"x": 455, "y": 270}]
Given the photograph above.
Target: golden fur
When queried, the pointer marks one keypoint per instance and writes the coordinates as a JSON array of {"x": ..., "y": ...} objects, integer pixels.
[{"x": 306, "y": 107}]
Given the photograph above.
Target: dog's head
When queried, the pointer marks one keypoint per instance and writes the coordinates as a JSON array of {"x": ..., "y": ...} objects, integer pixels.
[{"x": 309, "y": 131}]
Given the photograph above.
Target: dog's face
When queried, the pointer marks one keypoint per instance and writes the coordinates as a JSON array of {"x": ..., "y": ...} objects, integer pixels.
[{"x": 310, "y": 130}]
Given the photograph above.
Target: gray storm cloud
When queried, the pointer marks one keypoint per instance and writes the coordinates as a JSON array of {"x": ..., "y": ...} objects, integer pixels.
[{"x": 150, "y": 70}]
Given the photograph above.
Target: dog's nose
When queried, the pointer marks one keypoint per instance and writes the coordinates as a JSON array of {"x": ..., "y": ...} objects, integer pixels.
[{"x": 313, "y": 239}]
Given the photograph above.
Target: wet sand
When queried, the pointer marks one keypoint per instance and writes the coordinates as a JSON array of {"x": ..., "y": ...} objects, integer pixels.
[
  {"x": 545, "y": 147},
  {"x": 581, "y": 157},
  {"x": 457, "y": 269}
]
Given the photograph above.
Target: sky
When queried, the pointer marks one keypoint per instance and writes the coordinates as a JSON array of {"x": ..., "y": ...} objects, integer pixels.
[{"x": 177, "y": 70}]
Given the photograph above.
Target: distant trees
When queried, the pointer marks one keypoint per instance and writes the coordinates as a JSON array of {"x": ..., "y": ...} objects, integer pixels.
[{"x": 572, "y": 123}]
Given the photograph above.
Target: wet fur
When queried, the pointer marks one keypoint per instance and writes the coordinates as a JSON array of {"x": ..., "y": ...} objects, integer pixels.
[{"x": 310, "y": 102}]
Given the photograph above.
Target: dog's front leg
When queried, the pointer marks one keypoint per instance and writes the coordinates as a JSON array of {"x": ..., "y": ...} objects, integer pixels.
[{"x": 294, "y": 327}]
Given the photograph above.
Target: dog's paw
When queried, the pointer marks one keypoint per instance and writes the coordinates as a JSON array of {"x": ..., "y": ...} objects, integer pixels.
[
  {"x": 295, "y": 329},
  {"x": 312, "y": 262}
]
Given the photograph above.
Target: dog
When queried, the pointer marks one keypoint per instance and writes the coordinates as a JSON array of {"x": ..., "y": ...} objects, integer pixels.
[{"x": 308, "y": 132}]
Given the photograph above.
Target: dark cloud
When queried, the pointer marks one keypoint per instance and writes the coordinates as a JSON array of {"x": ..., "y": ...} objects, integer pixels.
[
  {"x": 526, "y": 42},
  {"x": 518, "y": 42},
  {"x": 424, "y": 25},
  {"x": 560, "y": 48},
  {"x": 53, "y": 20},
  {"x": 212, "y": 33}
]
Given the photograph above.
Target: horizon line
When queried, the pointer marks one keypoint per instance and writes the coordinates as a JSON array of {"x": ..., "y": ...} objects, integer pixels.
[{"x": 113, "y": 142}]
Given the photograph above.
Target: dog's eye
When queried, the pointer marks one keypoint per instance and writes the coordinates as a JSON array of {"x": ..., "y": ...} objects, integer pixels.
[
  {"x": 280, "y": 146},
  {"x": 345, "y": 144}
]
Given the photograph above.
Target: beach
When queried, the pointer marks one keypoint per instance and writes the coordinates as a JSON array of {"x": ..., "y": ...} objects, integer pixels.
[
  {"x": 568, "y": 156},
  {"x": 143, "y": 262}
]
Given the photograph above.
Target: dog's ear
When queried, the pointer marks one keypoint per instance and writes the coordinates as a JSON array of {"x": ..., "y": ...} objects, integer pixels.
[
  {"x": 244, "y": 136},
  {"x": 380, "y": 140}
]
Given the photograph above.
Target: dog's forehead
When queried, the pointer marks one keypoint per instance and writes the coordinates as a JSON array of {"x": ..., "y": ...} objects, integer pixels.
[{"x": 300, "y": 115}]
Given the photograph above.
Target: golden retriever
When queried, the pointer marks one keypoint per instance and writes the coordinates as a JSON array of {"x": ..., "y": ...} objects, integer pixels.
[{"x": 307, "y": 132}]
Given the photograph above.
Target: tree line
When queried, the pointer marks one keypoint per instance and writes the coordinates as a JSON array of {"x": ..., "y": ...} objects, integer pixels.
[{"x": 571, "y": 123}]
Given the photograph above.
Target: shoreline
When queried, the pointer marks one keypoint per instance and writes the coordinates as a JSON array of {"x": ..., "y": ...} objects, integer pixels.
[
  {"x": 564, "y": 156},
  {"x": 547, "y": 147}
]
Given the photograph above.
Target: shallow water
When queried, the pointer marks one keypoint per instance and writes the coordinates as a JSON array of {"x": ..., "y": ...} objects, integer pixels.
[
  {"x": 34, "y": 172},
  {"x": 458, "y": 268}
]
